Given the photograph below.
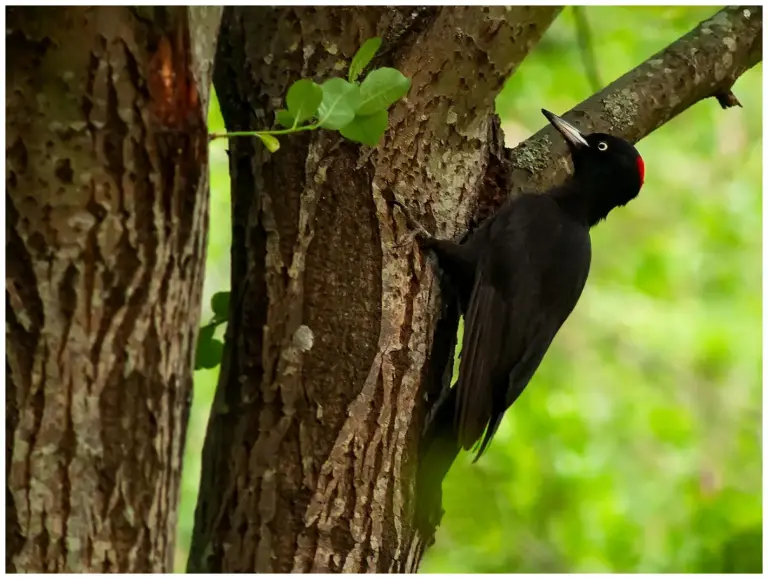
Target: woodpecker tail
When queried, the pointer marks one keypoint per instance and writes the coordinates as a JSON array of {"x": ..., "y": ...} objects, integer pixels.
[{"x": 439, "y": 448}]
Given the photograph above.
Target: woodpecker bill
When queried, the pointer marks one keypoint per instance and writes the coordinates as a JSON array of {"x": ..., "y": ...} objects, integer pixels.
[
  {"x": 571, "y": 134},
  {"x": 518, "y": 278}
]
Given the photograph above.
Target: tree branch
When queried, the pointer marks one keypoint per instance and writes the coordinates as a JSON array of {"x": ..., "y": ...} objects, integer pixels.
[{"x": 703, "y": 63}]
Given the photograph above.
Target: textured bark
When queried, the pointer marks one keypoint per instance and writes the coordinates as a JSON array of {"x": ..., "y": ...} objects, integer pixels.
[
  {"x": 107, "y": 196},
  {"x": 311, "y": 446},
  {"x": 704, "y": 63}
]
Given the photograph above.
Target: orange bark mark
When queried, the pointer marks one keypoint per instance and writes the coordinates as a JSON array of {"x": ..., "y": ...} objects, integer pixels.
[{"x": 172, "y": 88}]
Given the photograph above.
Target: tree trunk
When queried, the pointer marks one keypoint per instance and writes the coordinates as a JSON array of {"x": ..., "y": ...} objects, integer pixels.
[
  {"x": 338, "y": 341},
  {"x": 107, "y": 199},
  {"x": 312, "y": 440}
]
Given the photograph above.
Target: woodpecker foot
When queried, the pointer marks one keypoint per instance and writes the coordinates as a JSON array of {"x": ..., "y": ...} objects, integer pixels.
[
  {"x": 418, "y": 233},
  {"x": 408, "y": 238}
]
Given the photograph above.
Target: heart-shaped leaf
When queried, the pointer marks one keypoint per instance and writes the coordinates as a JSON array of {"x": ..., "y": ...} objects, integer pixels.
[
  {"x": 303, "y": 99},
  {"x": 363, "y": 57},
  {"x": 380, "y": 89},
  {"x": 340, "y": 99},
  {"x": 367, "y": 130}
]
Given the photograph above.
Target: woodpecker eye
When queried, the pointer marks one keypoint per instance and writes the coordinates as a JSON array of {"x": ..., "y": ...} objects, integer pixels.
[{"x": 602, "y": 146}]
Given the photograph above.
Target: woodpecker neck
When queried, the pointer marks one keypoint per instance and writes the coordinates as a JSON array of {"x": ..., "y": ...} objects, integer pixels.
[{"x": 584, "y": 202}]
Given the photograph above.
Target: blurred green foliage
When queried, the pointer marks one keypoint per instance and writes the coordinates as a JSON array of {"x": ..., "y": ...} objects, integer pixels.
[{"x": 637, "y": 445}]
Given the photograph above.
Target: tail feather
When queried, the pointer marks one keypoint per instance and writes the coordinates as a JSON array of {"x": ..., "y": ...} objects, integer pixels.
[
  {"x": 490, "y": 432},
  {"x": 439, "y": 449}
]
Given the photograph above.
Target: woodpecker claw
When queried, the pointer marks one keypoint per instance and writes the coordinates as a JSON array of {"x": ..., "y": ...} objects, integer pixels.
[
  {"x": 418, "y": 232},
  {"x": 409, "y": 238}
]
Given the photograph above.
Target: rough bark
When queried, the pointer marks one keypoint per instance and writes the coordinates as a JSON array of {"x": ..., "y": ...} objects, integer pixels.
[
  {"x": 311, "y": 444},
  {"x": 107, "y": 197}
]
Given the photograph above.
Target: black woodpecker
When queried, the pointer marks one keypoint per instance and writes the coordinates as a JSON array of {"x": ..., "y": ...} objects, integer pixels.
[{"x": 518, "y": 277}]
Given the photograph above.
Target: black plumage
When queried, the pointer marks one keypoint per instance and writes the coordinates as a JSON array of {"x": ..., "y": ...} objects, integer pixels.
[{"x": 519, "y": 276}]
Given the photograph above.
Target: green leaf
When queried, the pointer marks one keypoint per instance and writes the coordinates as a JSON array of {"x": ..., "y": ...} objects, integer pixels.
[
  {"x": 284, "y": 118},
  {"x": 303, "y": 99},
  {"x": 367, "y": 130},
  {"x": 270, "y": 142},
  {"x": 209, "y": 353},
  {"x": 340, "y": 99},
  {"x": 209, "y": 349},
  {"x": 363, "y": 56},
  {"x": 380, "y": 89},
  {"x": 206, "y": 333},
  {"x": 220, "y": 305}
]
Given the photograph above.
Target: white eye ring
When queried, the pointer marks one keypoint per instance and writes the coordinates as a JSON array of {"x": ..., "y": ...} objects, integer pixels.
[{"x": 602, "y": 145}]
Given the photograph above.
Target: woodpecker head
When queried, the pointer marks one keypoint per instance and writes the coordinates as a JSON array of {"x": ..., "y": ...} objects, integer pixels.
[{"x": 608, "y": 167}]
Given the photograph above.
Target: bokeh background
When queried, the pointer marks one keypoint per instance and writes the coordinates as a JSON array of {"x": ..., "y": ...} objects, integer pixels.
[{"x": 637, "y": 445}]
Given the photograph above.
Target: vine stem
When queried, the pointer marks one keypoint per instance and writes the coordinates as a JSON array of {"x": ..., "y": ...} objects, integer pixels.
[{"x": 214, "y": 136}]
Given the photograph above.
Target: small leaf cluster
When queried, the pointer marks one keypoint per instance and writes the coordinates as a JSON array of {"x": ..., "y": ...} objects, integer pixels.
[
  {"x": 357, "y": 109},
  {"x": 210, "y": 349}
]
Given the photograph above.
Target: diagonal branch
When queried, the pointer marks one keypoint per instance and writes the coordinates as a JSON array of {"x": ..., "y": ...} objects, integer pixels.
[{"x": 703, "y": 63}]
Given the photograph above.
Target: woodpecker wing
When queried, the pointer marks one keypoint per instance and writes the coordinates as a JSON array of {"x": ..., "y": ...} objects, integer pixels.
[
  {"x": 484, "y": 324},
  {"x": 532, "y": 271}
]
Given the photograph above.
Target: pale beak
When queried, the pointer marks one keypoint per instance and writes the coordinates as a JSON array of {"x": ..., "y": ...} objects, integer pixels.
[{"x": 569, "y": 132}]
